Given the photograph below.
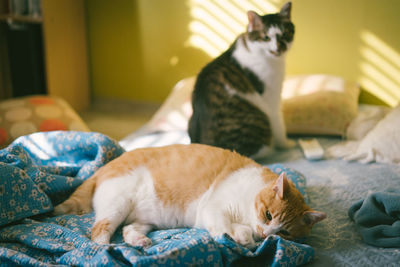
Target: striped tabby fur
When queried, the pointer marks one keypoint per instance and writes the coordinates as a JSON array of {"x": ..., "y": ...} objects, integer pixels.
[{"x": 236, "y": 100}]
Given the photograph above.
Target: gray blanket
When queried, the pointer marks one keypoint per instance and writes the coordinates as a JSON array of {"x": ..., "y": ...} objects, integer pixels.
[{"x": 378, "y": 219}]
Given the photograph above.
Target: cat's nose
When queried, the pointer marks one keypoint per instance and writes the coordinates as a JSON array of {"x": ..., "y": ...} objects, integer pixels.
[{"x": 270, "y": 230}]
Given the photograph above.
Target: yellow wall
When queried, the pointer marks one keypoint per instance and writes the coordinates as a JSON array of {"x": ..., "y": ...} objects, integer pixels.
[
  {"x": 140, "y": 48},
  {"x": 355, "y": 39},
  {"x": 66, "y": 57},
  {"x": 114, "y": 49}
]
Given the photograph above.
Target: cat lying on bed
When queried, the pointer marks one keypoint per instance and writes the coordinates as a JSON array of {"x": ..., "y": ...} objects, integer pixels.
[{"x": 190, "y": 186}]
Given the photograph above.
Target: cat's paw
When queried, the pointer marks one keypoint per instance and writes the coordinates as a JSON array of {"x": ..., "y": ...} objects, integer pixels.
[
  {"x": 138, "y": 240},
  {"x": 135, "y": 238},
  {"x": 243, "y": 235},
  {"x": 286, "y": 144},
  {"x": 101, "y": 239},
  {"x": 69, "y": 207},
  {"x": 218, "y": 232}
]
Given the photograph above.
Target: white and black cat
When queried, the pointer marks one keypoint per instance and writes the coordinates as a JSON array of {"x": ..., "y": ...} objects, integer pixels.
[{"x": 237, "y": 97}]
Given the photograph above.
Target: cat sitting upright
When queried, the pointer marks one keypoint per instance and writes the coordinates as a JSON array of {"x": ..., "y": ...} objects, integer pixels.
[
  {"x": 190, "y": 186},
  {"x": 237, "y": 97}
]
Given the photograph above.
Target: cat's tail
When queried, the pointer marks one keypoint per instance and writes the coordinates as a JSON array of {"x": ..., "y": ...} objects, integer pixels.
[{"x": 80, "y": 201}]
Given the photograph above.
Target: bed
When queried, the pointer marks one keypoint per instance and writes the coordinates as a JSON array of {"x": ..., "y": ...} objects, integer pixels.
[
  {"x": 333, "y": 186},
  {"x": 50, "y": 165}
]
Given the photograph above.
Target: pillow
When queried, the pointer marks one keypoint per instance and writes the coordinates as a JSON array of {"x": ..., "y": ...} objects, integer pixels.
[
  {"x": 25, "y": 115},
  {"x": 171, "y": 117},
  {"x": 319, "y": 104},
  {"x": 312, "y": 104},
  {"x": 174, "y": 113},
  {"x": 381, "y": 144}
]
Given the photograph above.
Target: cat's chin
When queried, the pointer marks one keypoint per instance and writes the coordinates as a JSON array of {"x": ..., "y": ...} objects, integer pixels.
[{"x": 275, "y": 54}]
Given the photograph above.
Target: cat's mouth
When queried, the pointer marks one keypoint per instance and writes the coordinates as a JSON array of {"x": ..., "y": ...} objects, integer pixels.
[{"x": 275, "y": 53}]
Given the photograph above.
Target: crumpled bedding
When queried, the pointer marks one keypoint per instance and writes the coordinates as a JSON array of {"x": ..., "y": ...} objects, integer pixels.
[
  {"x": 40, "y": 170},
  {"x": 380, "y": 144},
  {"x": 378, "y": 218}
]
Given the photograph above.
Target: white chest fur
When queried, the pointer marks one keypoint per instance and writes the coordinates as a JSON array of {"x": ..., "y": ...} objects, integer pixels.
[
  {"x": 232, "y": 201},
  {"x": 268, "y": 68}
]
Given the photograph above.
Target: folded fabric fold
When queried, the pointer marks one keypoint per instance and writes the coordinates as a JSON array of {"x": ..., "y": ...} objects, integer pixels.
[
  {"x": 41, "y": 169},
  {"x": 378, "y": 218}
]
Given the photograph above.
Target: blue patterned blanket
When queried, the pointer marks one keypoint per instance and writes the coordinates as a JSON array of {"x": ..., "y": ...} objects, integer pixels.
[{"x": 40, "y": 170}]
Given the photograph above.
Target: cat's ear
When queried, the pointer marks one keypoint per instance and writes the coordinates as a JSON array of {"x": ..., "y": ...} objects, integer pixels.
[
  {"x": 286, "y": 9},
  {"x": 311, "y": 217},
  {"x": 255, "y": 22},
  {"x": 281, "y": 186}
]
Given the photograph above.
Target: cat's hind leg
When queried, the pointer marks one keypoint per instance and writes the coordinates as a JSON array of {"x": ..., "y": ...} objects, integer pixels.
[
  {"x": 135, "y": 234},
  {"x": 102, "y": 231},
  {"x": 104, "y": 228},
  {"x": 106, "y": 223},
  {"x": 111, "y": 210}
]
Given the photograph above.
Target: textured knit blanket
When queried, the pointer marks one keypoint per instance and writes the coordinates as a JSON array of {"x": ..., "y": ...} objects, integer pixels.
[
  {"x": 40, "y": 170},
  {"x": 378, "y": 218}
]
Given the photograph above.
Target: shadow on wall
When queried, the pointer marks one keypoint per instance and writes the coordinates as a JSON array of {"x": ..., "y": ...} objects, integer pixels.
[{"x": 380, "y": 69}]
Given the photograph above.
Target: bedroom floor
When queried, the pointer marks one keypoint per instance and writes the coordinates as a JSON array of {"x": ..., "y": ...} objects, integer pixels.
[{"x": 117, "y": 118}]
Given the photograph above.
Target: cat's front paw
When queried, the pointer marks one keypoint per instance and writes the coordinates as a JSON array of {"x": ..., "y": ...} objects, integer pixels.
[
  {"x": 216, "y": 233},
  {"x": 243, "y": 235}
]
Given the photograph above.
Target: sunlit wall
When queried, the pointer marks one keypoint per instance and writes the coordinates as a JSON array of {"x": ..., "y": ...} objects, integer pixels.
[
  {"x": 215, "y": 24},
  {"x": 380, "y": 68},
  {"x": 141, "y": 48}
]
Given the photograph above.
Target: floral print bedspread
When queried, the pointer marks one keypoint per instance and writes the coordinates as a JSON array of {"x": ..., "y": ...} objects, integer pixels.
[{"x": 40, "y": 170}]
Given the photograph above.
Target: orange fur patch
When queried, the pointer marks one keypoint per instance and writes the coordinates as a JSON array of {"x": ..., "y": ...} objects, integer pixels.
[
  {"x": 181, "y": 173},
  {"x": 100, "y": 228},
  {"x": 290, "y": 209},
  {"x": 80, "y": 201}
]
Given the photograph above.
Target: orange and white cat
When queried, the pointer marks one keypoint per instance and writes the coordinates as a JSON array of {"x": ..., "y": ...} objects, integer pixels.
[{"x": 190, "y": 186}]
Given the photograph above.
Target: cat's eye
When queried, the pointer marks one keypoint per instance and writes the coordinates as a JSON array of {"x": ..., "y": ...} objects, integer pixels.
[
  {"x": 268, "y": 215},
  {"x": 287, "y": 34},
  {"x": 284, "y": 232}
]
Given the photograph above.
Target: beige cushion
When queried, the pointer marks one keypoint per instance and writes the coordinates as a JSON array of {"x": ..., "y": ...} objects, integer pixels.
[
  {"x": 25, "y": 115},
  {"x": 319, "y": 104}
]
